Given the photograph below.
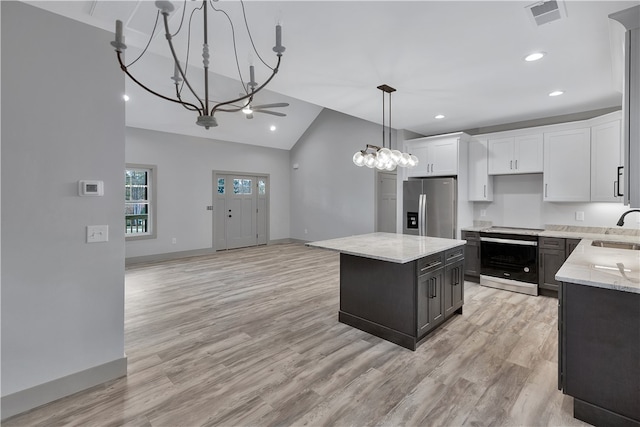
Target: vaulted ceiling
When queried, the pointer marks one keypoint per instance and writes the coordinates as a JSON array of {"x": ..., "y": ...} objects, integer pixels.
[{"x": 461, "y": 59}]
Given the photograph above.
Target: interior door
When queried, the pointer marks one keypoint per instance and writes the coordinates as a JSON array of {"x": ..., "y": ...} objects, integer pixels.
[
  {"x": 220, "y": 212},
  {"x": 262, "y": 209},
  {"x": 386, "y": 202}
]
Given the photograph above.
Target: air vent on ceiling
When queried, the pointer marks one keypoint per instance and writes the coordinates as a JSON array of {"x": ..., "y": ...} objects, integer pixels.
[{"x": 543, "y": 12}]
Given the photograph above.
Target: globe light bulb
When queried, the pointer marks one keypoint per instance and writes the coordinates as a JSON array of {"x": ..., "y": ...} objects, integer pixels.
[
  {"x": 369, "y": 160},
  {"x": 414, "y": 160},
  {"x": 358, "y": 159},
  {"x": 384, "y": 154},
  {"x": 404, "y": 160},
  {"x": 390, "y": 166},
  {"x": 395, "y": 156}
]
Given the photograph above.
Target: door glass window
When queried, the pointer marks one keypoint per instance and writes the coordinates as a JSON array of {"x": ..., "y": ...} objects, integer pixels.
[
  {"x": 262, "y": 187},
  {"x": 220, "y": 185},
  {"x": 242, "y": 186}
]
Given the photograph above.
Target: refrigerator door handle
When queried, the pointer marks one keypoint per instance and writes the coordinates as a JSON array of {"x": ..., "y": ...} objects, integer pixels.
[
  {"x": 420, "y": 216},
  {"x": 423, "y": 214}
]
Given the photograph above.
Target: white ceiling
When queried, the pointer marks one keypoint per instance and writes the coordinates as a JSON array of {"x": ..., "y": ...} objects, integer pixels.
[{"x": 463, "y": 59}]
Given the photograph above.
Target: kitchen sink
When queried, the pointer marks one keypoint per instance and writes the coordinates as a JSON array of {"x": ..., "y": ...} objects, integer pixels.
[{"x": 616, "y": 245}]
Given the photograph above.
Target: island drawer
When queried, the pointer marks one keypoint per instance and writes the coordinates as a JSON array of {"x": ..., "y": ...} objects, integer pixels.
[
  {"x": 454, "y": 255},
  {"x": 429, "y": 263}
]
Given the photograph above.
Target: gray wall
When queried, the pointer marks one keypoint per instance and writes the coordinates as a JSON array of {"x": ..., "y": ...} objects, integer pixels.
[
  {"x": 185, "y": 186},
  {"x": 330, "y": 196},
  {"x": 63, "y": 120}
]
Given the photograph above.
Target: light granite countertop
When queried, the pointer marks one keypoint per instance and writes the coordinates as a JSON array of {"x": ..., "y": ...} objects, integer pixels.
[
  {"x": 617, "y": 269},
  {"x": 398, "y": 248}
]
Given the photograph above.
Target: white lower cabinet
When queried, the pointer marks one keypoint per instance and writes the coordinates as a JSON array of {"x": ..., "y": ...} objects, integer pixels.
[
  {"x": 606, "y": 157},
  {"x": 480, "y": 183},
  {"x": 567, "y": 166}
]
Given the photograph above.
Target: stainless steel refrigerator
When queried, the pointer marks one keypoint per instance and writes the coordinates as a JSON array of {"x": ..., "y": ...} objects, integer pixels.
[{"x": 429, "y": 206}]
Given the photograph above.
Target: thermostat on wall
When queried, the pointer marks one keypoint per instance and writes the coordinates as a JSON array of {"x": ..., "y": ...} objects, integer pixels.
[{"x": 90, "y": 188}]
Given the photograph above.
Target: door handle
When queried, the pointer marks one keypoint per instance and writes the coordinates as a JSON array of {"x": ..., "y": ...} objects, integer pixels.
[{"x": 229, "y": 216}]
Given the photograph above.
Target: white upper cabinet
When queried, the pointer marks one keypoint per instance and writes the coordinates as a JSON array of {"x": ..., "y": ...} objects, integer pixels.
[
  {"x": 480, "y": 183},
  {"x": 515, "y": 154},
  {"x": 567, "y": 166},
  {"x": 606, "y": 158},
  {"x": 438, "y": 156}
]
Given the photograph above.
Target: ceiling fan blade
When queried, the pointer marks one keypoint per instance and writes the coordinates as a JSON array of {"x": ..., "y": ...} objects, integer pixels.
[
  {"x": 273, "y": 113},
  {"x": 276, "y": 105}
]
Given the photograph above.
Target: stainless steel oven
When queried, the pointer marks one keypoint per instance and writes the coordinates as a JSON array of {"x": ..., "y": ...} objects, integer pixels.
[{"x": 509, "y": 261}]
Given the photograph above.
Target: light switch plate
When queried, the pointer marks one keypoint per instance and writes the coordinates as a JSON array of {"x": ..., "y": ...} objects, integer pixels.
[
  {"x": 97, "y": 233},
  {"x": 579, "y": 216}
]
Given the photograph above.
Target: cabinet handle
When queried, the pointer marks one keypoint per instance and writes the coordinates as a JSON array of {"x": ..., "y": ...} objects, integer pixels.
[
  {"x": 485, "y": 190},
  {"x": 615, "y": 190},
  {"x": 546, "y": 192},
  {"x": 510, "y": 164},
  {"x": 434, "y": 288},
  {"x": 618, "y": 193},
  {"x": 516, "y": 164}
]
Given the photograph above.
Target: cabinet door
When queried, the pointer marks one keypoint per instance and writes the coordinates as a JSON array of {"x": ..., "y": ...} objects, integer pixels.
[
  {"x": 453, "y": 287},
  {"x": 480, "y": 183},
  {"x": 605, "y": 159},
  {"x": 430, "y": 303},
  {"x": 500, "y": 159},
  {"x": 418, "y": 149},
  {"x": 528, "y": 153},
  {"x": 443, "y": 156},
  {"x": 570, "y": 246},
  {"x": 567, "y": 166},
  {"x": 550, "y": 261},
  {"x": 471, "y": 253}
]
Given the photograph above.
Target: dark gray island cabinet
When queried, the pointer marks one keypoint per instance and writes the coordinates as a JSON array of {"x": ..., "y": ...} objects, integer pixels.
[
  {"x": 599, "y": 334},
  {"x": 399, "y": 287}
]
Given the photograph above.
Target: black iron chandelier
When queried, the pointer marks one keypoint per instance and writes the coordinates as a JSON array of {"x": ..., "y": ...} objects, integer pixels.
[{"x": 203, "y": 105}]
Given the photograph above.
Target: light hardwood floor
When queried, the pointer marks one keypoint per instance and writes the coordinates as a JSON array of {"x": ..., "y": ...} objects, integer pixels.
[{"x": 250, "y": 338}]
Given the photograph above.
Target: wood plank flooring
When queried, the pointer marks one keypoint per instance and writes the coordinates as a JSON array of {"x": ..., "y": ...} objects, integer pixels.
[{"x": 250, "y": 337}]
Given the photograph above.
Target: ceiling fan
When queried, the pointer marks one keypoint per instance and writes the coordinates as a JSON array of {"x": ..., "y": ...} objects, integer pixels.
[{"x": 264, "y": 108}]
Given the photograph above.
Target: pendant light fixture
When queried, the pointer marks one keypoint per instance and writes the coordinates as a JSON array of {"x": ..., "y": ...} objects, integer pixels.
[
  {"x": 384, "y": 158},
  {"x": 202, "y": 104}
]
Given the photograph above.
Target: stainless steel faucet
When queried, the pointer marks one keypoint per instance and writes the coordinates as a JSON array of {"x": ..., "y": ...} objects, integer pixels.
[{"x": 621, "y": 220}]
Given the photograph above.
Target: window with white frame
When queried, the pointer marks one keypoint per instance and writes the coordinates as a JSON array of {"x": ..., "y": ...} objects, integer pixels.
[{"x": 139, "y": 201}]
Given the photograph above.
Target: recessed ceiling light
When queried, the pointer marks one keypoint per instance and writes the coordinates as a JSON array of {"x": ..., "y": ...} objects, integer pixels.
[
  {"x": 273, "y": 128},
  {"x": 534, "y": 56},
  {"x": 125, "y": 97},
  {"x": 439, "y": 116},
  {"x": 556, "y": 93}
]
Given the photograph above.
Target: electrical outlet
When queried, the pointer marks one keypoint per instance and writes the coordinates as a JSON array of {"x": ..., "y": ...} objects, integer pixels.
[
  {"x": 579, "y": 216},
  {"x": 174, "y": 241},
  {"x": 97, "y": 233},
  {"x": 483, "y": 212}
]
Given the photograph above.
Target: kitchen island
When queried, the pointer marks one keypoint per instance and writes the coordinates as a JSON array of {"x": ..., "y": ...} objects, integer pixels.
[
  {"x": 599, "y": 331},
  {"x": 398, "y": 287}
]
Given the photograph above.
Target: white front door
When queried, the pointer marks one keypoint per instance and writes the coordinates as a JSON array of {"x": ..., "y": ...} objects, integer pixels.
[{"x": 240, "y": 211}]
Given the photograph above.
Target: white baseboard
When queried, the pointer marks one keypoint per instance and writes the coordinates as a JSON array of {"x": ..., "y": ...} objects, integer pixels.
[{"x": 24, "y": 400}]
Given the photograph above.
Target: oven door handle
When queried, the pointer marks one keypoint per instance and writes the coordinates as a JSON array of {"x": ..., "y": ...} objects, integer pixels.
[{"x": 509, "y": 241}]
